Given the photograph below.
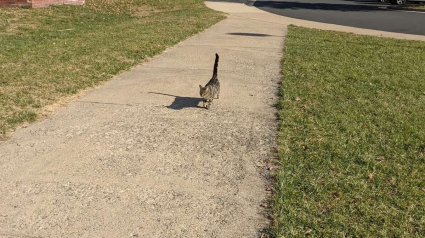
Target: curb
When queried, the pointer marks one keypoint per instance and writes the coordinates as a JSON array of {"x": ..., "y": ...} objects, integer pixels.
[
  {"x": 249, "y": 2},
  {"x": 252, "y": 2}
]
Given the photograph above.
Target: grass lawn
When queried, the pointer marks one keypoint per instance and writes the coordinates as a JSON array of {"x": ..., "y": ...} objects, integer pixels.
[
  {"x": 421, "y": 7},
  {"x": 352, "y": 137},
  {"x": 51, "y": 53}
]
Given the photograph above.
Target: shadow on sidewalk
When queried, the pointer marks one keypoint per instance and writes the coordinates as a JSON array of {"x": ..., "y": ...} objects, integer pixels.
[
  {"x": 181, "y": 102},
  {"x": 251, "y": 34}
]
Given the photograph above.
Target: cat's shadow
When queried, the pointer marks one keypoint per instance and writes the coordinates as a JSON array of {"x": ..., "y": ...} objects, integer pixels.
[{"x": 181, "y": 102}]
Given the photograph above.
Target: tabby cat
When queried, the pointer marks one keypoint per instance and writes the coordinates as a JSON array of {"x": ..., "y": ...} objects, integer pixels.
[{"x": 212, "y": 88}]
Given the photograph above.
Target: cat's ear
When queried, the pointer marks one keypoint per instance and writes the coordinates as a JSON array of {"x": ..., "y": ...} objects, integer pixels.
[{"x": 200, "y": 86}]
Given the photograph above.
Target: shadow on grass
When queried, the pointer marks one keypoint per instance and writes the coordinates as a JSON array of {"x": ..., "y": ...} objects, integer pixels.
[{"x": 181, "y": 102}]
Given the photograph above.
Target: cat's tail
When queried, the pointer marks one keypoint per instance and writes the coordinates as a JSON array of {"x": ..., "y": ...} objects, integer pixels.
[{"x": 215, "y": 65}]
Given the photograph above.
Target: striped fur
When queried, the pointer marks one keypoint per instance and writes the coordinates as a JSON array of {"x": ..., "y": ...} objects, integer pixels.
[{"x": 212, "y": 88}]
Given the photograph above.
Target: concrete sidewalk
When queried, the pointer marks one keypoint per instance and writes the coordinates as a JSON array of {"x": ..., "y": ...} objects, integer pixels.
[{"x": 138, "y": 157}]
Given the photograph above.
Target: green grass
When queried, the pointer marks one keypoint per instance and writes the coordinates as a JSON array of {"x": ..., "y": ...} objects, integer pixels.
[
  {"x": 421, "y": 7},
  {"x": 352, "y": 137},
  {"x": 48, "y": 54}
]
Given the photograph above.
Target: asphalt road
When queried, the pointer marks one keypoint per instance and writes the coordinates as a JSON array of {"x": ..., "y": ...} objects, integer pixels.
[{"x": 356, "y": 13}]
